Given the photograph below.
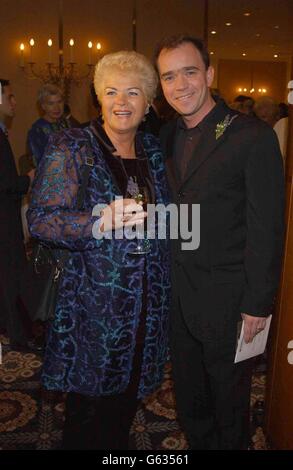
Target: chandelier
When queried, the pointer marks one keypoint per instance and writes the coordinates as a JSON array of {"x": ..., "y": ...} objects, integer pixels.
[{"x": 60, "y": 74}]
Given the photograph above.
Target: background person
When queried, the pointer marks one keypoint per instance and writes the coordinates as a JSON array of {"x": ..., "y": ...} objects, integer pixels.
[
  {"x": 12, "y": 252},
  {"x": 51, "y": 103}
]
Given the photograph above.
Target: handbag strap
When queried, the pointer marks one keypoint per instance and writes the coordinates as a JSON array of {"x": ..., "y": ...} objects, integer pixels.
[{"x": 86, "y": 169}]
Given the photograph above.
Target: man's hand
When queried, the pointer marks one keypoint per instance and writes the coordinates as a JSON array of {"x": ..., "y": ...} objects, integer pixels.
[{"x": 252, "y": 326}]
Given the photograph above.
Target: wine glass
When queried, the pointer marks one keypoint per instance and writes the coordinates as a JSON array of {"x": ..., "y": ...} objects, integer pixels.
[{"x": 143, "y": 245}]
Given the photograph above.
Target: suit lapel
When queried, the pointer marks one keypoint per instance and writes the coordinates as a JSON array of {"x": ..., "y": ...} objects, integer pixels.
[
  {"x": 207, "y": 145},
  {"x": 171, "y": 168},
  {"x": 208, "y": 142}
]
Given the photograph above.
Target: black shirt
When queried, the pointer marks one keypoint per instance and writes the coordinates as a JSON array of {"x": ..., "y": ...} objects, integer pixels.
[{"x": 186, "y": 142}]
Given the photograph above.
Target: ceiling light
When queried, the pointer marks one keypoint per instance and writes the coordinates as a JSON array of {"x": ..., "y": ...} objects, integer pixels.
[
  {"x": 247, "y": 13},
  {"x": 228, "y": 24},
  {"x": 277, "y": 26},
  {"x": 244, "y": 54},
  {"x": 211, "y": 53},
  {"x": 276, "y": 55},
  {"x": 258, "y": 35},
  {"x": 213, "y": 32}
]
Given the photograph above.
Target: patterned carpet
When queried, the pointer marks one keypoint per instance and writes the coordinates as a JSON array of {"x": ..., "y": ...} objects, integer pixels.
[{"x": 31, "y": 418}]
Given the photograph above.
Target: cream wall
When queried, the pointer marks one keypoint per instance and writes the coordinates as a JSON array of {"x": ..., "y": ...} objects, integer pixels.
[
  {"x": 107, "y": 21},
  {"x": 154, "y": 21}
]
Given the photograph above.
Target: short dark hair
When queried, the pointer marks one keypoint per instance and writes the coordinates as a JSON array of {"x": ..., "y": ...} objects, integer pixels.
[
  {"x": 242, "y": 98},
  {"x": 4, "y": 83},
  {"x": 172, "y": 42}
]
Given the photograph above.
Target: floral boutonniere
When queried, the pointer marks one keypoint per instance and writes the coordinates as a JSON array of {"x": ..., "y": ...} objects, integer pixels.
[{"x": 222, "y": 126}]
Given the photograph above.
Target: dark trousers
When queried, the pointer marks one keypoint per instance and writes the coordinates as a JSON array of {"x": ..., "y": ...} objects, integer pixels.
[
  {"x": 212, "y": 393},
  {"x": 13, "y": 317},
  {"x": 104, "y": 422},
  {"x": 98, "y": 423}
]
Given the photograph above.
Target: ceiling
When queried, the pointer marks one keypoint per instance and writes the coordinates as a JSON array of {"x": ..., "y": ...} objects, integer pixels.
[{"x": 266, "y": 32}]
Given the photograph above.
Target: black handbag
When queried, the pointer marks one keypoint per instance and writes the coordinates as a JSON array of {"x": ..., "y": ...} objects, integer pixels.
[{"x": 45, "y": 267}]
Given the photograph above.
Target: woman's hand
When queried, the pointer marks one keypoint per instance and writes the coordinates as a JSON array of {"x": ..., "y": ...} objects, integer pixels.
[{"x": 121, "y": 213}]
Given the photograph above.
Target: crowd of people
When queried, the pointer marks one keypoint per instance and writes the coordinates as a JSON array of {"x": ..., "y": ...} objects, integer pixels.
[
  {"x": 268, "y": 110},
  {"x": 121, "y": 314}
]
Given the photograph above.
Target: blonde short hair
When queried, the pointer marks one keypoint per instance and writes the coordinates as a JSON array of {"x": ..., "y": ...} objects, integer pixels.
[
  {"x": 266, "y": 105},
  {"x": 48, "y": 89},
  {"x": 127, "y": 62}
]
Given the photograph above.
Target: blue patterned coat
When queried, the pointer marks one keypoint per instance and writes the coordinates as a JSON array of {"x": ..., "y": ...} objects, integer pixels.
[{"x": 91, "y": 340}]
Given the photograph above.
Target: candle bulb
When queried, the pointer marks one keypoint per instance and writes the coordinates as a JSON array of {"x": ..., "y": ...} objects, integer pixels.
[
  {"x": 99, "y": 47},
  {"x": 21, "y": 60},
  {"x": 32, "y": 43},
  {"x": 71, "y": 43},
  {"x": 90, "y": 45},
  {"x": 50, "y": 42}
]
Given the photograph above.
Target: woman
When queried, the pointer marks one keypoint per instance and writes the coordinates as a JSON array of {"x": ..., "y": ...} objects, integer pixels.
[
  {"x": 107, "y": 345},
  {"x": 51, "y": 103}
]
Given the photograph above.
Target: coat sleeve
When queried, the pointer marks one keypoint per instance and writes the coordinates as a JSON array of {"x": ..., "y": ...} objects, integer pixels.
[
  {"x": 265, "y": 200},
  {"x": 52, "y": 215}
]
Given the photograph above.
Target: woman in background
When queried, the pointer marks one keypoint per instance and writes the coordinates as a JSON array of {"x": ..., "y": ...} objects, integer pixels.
[{"x": 51, "y": 103}]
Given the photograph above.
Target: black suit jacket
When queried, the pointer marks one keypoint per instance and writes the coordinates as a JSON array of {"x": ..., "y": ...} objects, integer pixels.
[
  {"x": 12, "y": 187},
  {"x": 238, "y": 181}
]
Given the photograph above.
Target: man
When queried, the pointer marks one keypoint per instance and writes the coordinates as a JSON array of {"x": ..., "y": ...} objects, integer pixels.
[
  {"x": 12, "y": 254},
  {"x": 243, "y": 104},
  {"x": 231, "y": 165}
]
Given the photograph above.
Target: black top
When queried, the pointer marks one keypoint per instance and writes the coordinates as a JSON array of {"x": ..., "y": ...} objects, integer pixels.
[
  {"x": 128, "y": 173},
  {"x": 138, "y": 181}
]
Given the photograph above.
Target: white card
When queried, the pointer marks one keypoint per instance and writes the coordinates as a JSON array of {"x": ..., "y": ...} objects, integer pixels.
[{"x": 257, "y": 346}]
